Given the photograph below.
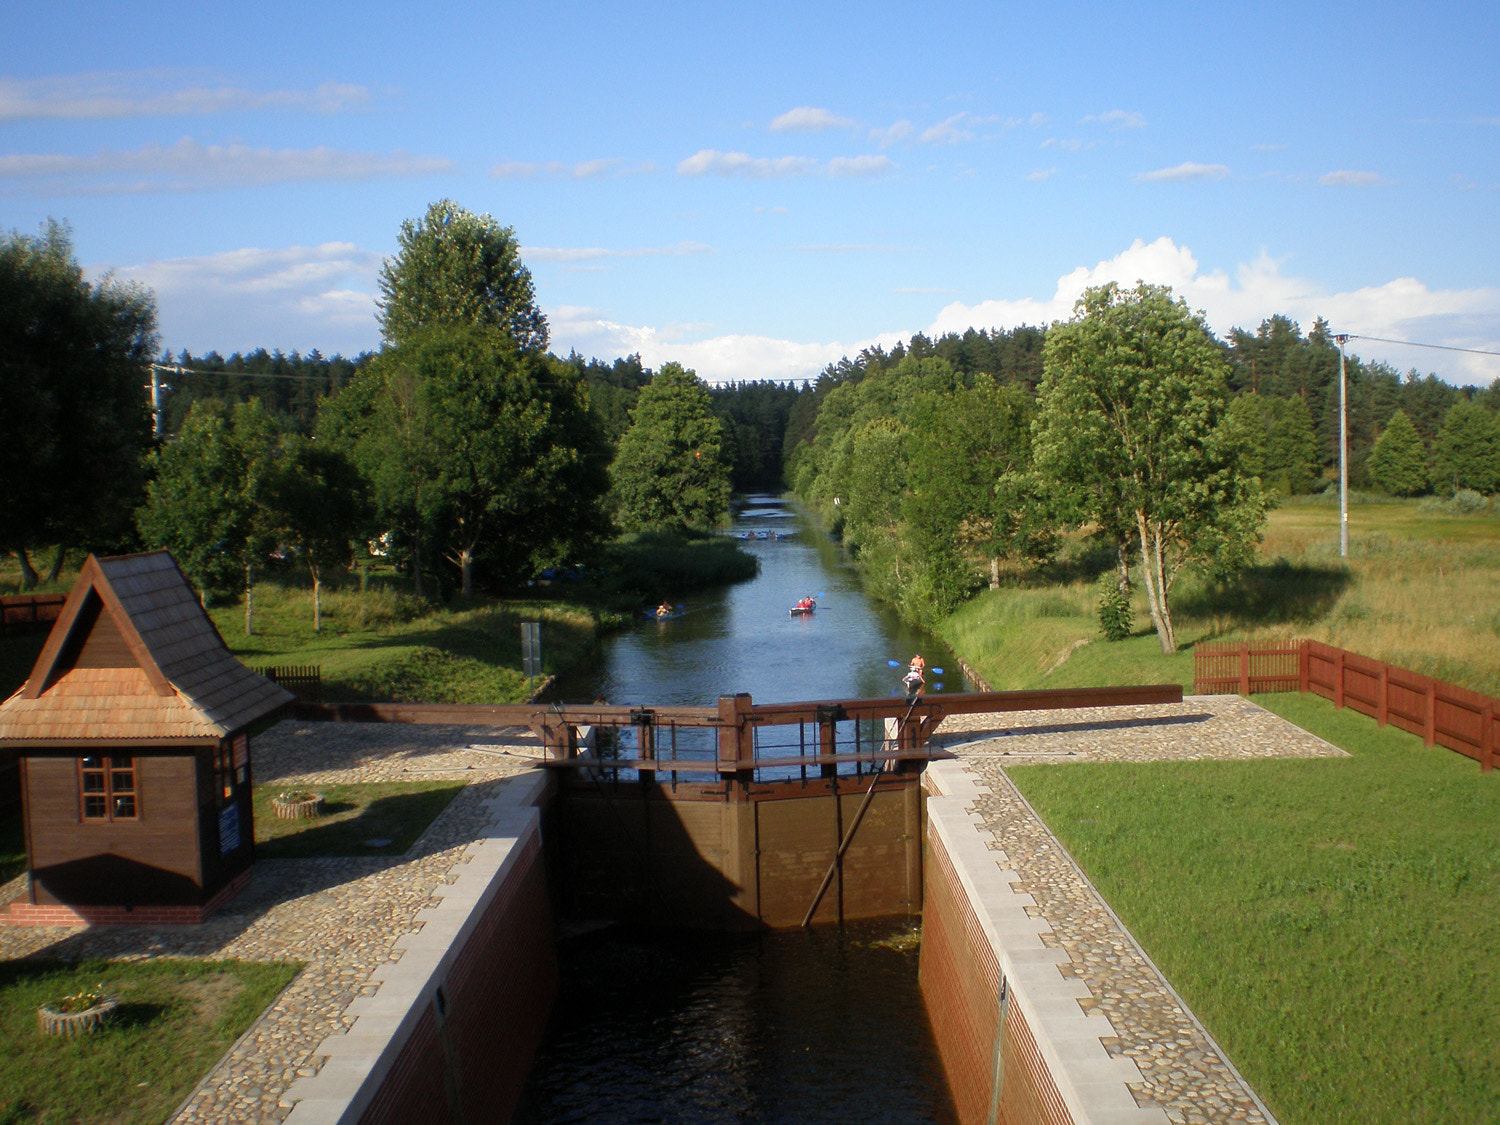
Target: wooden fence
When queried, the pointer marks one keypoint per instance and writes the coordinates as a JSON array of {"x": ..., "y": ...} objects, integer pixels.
[
  {"x": 305, "y": 681},
  {"x": 29, "y": 613},
  {"x": 1443, "y": 714}
]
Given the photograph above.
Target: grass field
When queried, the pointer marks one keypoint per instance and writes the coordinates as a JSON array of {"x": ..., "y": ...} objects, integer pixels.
[
  {"x": 1333, "y": 922},
  {"x": 175, "y": 1019},
  {"x": 1420, "y": 589}
]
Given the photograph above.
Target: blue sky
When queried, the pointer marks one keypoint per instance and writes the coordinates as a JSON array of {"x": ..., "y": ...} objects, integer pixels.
[{"x": 757, "y": 189}]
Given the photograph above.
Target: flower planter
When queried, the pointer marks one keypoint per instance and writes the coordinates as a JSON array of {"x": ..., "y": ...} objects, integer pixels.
[
  {"x": 82, "y": 1022},
  {"x": 297, "y": 806}
]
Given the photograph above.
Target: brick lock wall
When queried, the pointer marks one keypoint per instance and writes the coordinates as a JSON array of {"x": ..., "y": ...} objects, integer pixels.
[
  {"x": 960, "y": 982},
  {"x": 496, "y": 1000}
]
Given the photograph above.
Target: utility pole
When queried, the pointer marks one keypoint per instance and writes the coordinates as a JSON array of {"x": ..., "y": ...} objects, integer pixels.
[{"x": 1343, "y": 453}]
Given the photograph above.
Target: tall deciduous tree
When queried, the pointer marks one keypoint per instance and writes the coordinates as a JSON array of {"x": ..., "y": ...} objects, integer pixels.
[
  {"x": 209, "y": 500},
  {"x": 75, "y": 427},
  {"x": 1132, "y": 405},
  {"x": 472, "y": 442},
  {"x": 459, "y": 269},
  {"x": 671, "y": 472},
  {"x": 318, "y": 506},
  {"x": 1398, "y": 463}
]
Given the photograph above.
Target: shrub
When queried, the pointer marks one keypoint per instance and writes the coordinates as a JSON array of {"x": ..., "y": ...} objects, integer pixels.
[{"x": 1115, "y": 615}]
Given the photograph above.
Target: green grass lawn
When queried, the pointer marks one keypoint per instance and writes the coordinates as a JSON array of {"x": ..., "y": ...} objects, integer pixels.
[
  {"x": 1334, "y": 923},
  {"x": 353, "y": 816},
  {"x": 175, "y": 1020}
]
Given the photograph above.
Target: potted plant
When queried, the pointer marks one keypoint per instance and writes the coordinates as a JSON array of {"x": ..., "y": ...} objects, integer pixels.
[
  {"x": 84, "y": 1011},
  {"x": 295, "y": 804}
]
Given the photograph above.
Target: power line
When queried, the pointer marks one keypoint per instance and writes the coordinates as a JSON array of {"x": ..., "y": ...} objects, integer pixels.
[
  {"x": 178, "y": 370},
  {"x": 1413, "y": 344}
]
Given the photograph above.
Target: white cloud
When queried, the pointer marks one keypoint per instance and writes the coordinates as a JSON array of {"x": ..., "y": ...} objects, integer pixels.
[
  {"x": 1402, "y": 309},
  {"x": 1067, "y": 144},
  {"x": 807, "y": 119},
  {"x": 716, "y": 359},
  {"x": 557, "y": 169},
  {"x": 893, "y": 133},
  {"x": 1119, "y": 119},
  {"x": 1041, "y": 174},
  {"x": 949, "y": 131},
  {"x": 301, "y": 297},
  {"x": 570, "y": 254},
  {"x": 710, "y": 161},
  {"x": 860, "y": 165},
  {"x": 190, "y": 165},
  {"x": 1347, "y": 178},
  {"x": 122, "y": 95},
  {"x": 1183, "y": 172}
]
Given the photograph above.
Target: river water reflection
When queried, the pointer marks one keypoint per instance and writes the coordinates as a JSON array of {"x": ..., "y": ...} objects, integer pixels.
[
  {"x": 742, "y": 639},
  {"x": 824, "y": 1025}
]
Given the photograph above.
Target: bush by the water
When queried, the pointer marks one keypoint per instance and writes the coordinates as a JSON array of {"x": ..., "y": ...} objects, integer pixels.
[{"x": 656, "y": 564}]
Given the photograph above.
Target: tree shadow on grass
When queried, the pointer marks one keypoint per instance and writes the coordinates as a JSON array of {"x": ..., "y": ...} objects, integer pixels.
[{"x": 1282, "y": 593}]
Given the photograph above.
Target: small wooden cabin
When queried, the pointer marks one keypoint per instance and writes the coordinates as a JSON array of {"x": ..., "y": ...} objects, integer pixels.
[{"x": 132, "y": 735}]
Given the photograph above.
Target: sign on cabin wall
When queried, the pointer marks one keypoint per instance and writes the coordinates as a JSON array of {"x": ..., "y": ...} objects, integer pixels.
[{"x": 229, "y": 828}]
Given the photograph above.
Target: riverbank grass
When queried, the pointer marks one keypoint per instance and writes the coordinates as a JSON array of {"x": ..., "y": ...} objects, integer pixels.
[
  {"x": 175, "y": 1019},
  {"x": 1332, "y": 922}
]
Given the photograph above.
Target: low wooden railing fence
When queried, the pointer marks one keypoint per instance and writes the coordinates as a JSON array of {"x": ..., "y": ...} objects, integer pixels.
[
  {"x": 29, "y": 613},
  {"x": 305, "y": 681},
  {"x": 1443, "y": 714}
]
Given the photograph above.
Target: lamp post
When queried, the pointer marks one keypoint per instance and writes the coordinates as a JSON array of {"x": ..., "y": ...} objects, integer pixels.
[{"x": 1343, "y": 453}]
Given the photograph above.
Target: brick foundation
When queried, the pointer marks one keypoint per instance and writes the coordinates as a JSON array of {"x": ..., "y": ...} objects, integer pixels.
[{"x": 32, "y": 914}]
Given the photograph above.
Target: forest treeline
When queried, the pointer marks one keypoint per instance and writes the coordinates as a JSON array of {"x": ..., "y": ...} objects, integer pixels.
[{"x": 472, "y": 454}]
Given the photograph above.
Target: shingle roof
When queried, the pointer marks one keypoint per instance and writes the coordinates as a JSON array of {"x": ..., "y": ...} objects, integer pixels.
[{"x": 184, "y": 683}]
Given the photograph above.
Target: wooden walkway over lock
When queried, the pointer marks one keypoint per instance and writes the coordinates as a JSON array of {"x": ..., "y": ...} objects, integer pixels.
[{"x": 739, "y": 725}]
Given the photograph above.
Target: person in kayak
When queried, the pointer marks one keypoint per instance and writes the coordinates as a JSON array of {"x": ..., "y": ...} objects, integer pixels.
[
  {"x": 915, "y": 680},
  {"x": 664, "y": 610},
  {"x": 807, "y": 604}
]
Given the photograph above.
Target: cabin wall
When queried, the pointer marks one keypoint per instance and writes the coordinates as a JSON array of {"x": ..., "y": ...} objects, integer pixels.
[{"x": 152, "y": 860}]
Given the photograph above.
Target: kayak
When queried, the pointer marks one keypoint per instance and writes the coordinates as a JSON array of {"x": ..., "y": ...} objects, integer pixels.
[{"x": 802, "y": 610}]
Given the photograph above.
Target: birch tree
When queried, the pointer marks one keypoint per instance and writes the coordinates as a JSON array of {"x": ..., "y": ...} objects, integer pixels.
[{"x": 1131, "y": 426}]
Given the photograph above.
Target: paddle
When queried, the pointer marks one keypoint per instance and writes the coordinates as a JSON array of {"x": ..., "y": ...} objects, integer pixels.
[{"x": 898, "y": 664}]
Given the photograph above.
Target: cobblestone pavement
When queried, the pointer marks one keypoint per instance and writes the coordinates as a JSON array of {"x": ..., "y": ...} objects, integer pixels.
[
  {"x": 339, "y": 916},
  {"x": 1184, "y": 1072}
]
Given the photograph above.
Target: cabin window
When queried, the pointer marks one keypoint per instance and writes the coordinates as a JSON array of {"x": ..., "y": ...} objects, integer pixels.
[
  {"x": 107, "y": 788},
  {"x": 223, "y": 774}
]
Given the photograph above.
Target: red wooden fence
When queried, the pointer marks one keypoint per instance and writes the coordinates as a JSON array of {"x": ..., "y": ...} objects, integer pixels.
[
  {"x": 27, "y": 613},
  {"x": 1443, "y": 714}
]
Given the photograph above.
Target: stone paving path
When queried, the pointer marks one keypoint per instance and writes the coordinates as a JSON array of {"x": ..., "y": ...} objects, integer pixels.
[
  {"x": 339, "y": 916},
  {"x": 1184, "y": 1072}
]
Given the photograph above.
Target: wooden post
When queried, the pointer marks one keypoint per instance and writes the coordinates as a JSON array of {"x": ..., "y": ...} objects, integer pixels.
[
  {"x": 1338, "y": 679},
  {"x": 736, "y": 738},
  {"x": 828, "y": 737},
  {"x": 1429, "y": 731},
  {"x": 1383, "y": 714},
  {"x": 1244, "y": 667},
  {"x": 1304, "y": 667},
  {"x": 1487, "y": 739}
]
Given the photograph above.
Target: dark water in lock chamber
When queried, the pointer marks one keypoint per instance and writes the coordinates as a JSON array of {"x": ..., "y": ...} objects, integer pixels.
[{"x": 821, "y": 1025}]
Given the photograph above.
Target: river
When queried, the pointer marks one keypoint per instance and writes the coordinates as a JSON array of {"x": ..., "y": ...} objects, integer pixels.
[
  {"x": 741, "y": 638},
  {"x": 825, "y": 1025}
]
